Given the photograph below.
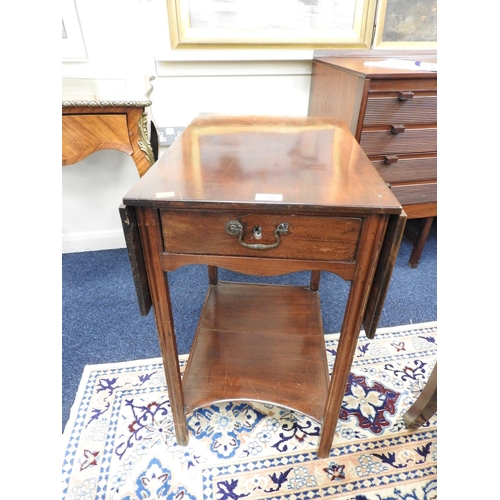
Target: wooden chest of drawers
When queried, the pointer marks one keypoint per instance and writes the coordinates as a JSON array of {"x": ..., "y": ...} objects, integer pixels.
[{"x": 393, "y": 115}]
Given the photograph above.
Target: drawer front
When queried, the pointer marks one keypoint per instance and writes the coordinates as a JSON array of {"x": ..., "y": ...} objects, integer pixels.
[
  {"x": 405, "y": 84},
  {"x": 407, "y": 159},
  {"x": 390, "y": 109},
  {"x": 308, "y": 237},
  {"x": 411, "y": 194},
  {"x": 384, "y": 142},
  {"x": 406, "y": 169}
]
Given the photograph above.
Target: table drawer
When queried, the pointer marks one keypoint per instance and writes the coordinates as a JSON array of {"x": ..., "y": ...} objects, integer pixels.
[
  {"x": 411, "y": 194},
  {"x": 308, "y": 237},
  {"x": 395, "y": 169},
  {"x": 409, "y": 140},
  {"x": 397, "y": 107}
]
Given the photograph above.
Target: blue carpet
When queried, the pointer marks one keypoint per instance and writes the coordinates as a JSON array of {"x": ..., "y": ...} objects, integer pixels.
[{"x": 102, "y": 323}]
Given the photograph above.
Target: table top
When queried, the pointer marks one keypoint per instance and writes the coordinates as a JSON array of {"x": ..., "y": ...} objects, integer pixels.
[
  {"x": 384, "y": 67},
  {"x": 105, "y": 92},
  {"x": 258, "y": 162}
]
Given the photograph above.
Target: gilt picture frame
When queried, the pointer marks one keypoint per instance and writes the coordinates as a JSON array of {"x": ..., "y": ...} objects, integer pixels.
[
  {"x": 406, "y": 24},
  {"x": 273, "y": 24}
]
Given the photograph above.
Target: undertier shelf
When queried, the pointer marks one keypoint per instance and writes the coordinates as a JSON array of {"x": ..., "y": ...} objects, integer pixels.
[{"x": 261, "y": 343}]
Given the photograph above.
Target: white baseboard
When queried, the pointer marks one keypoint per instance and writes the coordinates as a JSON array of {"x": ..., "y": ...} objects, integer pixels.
[{"x": 92, "y": 240}]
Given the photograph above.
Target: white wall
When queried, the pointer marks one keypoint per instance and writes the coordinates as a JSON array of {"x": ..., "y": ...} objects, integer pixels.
[{"x": 129, "y": 38}]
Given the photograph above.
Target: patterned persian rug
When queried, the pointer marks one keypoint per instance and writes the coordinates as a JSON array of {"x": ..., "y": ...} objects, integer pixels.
[{"x": 119, "y": 442}]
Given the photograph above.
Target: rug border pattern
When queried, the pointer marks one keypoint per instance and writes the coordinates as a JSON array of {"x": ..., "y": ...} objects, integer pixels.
[{"x": 79, "y": 414}]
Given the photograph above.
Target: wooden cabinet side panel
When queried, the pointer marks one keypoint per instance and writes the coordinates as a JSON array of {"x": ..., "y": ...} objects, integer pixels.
[{"x": 336, "y": 93}]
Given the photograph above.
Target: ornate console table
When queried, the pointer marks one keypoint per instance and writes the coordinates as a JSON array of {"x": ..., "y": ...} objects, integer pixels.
[{"x": 107, "y": 114}]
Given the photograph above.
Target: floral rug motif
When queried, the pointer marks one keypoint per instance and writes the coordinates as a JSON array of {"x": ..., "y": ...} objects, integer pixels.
[{"x": 119, "y": 443}]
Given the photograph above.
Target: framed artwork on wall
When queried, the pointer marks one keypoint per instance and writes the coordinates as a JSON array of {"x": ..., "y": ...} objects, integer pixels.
[
  {"x": 272, "y": 24},
  {"x": 73, "y": 43},
  {"x": 406, "y": 24}
]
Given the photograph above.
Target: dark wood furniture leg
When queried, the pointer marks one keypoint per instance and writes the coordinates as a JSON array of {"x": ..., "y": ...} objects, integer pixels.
[
  {"x": 152, "y": 245},
  {"x": 425, "y": 406},
  {"x": 351, "y": 327},
  {"x": 213, "y": 275},
  {"x": 418, "y": 238},
  {"x": 314, "y": 281}
]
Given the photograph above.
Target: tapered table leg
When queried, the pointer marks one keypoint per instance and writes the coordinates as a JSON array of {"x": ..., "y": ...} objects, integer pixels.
[
  {"x": 213, "y": 275},
  {"x": 419, "y": 242},
  {"x": 338, "y": 382},
  {"x": 426, "y": 404},
  {"x": 351, "y": 327},
  {"x": 158, "y": 284}
]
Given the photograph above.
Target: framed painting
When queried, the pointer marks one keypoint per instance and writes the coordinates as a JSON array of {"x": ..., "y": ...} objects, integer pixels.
[
  {"x": 406, "y": 24},
  {"x": 296, "y": 24},
  {"x": 73, "y": 44}
]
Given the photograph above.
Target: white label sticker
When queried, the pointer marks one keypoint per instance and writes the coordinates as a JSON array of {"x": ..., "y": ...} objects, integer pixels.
[
  {"x": 268, "y": 197},
  {"x": 165, "y": 194}
]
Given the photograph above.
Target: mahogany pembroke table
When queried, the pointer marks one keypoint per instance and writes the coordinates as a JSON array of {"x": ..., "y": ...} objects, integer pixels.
[{"x": 263, "y": 196}]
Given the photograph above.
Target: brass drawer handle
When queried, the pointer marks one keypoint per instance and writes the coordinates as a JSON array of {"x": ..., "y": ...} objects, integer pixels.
[
  {"x": 234, "y": 228},
  {"x": 405, "y": 96},
  {"x": 397, "y": 129}
]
